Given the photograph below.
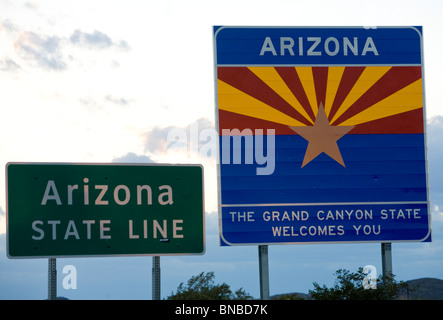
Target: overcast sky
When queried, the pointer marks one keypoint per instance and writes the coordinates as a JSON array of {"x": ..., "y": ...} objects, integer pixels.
[{"x": 106, "y": 81}]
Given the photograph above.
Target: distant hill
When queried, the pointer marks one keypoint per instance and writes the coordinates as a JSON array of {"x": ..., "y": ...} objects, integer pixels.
[
  {"x": 423, "y": 289},
  {"x": 418, "y": 289}
]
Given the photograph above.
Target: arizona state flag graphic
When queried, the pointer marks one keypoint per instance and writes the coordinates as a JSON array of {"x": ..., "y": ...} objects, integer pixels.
[{"x": 322, "y": 135}]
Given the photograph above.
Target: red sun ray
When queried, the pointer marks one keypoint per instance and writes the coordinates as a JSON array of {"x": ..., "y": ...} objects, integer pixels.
[
  {"x": 245, "y": 80},
  {"x": 395, "y": 79},
  {"x": 292, "y": 80},
  {"x": 348, "y": 80}
]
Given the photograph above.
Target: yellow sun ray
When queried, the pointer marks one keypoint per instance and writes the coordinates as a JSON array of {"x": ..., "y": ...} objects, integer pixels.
[
  {"x": 236, "y": 101},
  {"x": 271, "y": 77},
  {"x": 307, "y": 80},
  {"x": 406, "y": 99},
  {"x": 366, "y": 80},
  {"x": 334, "y": 77}
]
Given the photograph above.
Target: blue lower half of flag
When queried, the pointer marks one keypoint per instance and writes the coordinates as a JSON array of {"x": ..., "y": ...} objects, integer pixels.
[{"x": 378, "y": 168}]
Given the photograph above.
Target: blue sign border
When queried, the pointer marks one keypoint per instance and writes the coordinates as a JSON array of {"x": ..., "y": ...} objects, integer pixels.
[{"x": 289, "y": 46}]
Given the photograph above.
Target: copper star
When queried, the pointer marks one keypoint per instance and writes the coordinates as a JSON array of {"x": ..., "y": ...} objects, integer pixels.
[{"x": 322, "y": 137}]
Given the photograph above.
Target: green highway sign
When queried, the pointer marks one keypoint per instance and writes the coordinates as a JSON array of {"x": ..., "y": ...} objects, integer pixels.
[{"x": 85, "y": 209}]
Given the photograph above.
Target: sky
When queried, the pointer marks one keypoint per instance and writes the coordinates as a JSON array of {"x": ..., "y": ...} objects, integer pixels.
[{"x": 107, "y": 81}]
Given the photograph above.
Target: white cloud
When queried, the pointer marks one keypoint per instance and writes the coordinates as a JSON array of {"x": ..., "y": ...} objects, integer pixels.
[
  {"x": 96, "y": 40},
  {"x": 50, "y": 52},
  {"x": 156, "y": 139},
  {"x": 118, "y": 101},
  {"x": 435, "y": 128},
  {"x": 8, "y": 65},
  {"x": 20, "y": 46},
  {"x": 197, "y": 138},
  {"x": 192, "y": 144},
  {"x": 133, "y": 158},
  {"x": 435, "y": 154},
  {"x": 437, "y": 213},
  {"x": 44, "y": 51}
]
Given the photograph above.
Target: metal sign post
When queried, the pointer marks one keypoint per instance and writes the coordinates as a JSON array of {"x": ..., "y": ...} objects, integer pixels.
[
  {"x": 263, "y": 272},
  {"x": 52, "y": 279},
  {"x": 156, "y": 278},
  {"x": 386, "y": 259}
]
